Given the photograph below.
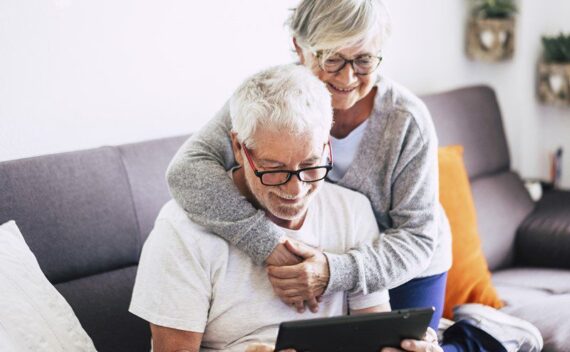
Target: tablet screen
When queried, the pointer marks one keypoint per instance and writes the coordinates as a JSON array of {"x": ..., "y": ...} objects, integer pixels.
[{"x": 356, "y": 333}]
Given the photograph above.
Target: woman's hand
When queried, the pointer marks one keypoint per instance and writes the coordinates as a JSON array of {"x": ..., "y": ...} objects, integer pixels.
[
  {"x": 282, "y": 256},
  {"x": 427, "y": 344},
  {"x": 306, "y": 281}
]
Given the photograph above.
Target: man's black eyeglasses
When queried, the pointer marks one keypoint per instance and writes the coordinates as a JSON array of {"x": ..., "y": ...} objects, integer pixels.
[{"x": 281, "y": 177}]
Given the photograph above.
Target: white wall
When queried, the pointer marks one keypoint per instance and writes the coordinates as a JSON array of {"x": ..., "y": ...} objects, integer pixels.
[
  {"x": 80, "y": 74},
  {"x": 426, "y": 54}
]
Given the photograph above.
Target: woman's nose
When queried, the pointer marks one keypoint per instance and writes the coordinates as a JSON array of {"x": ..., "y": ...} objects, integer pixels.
[{"x": 347, "y": 74}]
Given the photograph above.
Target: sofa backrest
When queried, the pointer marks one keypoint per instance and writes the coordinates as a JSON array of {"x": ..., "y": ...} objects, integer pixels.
[
  {"x": 471, "y": 117},
  {"x": 85, "y": 216}
]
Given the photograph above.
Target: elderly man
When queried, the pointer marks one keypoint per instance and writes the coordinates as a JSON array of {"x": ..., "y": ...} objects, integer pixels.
[
  {"x": 201, "y": 293},
  {"x": 196, "y": 289}
]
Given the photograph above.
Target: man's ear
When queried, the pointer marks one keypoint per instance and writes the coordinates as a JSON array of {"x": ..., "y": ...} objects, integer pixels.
[
  {"x": 299, "y": 51},
  {"x": 236, "y": 147}
]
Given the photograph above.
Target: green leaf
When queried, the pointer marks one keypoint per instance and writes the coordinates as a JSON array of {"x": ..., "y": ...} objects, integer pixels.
[
  {"x": 494, "y": 8},
  {"x": 557, "y": 48}
]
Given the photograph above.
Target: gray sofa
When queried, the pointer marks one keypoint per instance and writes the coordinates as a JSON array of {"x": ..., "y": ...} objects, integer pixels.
[
  {"x": 527, "y": 245},
  {"x": 86, "y": 214}
]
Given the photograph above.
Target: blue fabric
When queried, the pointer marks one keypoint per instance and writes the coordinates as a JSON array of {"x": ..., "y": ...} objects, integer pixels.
[
  {"x": 421, "y": 292},
  {"x": 454, "y": 347},
  {"x": 464, "y": 337}
]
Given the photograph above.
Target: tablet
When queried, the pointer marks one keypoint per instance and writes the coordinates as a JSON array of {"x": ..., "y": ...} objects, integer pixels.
[{"x": 355, "y": 333}]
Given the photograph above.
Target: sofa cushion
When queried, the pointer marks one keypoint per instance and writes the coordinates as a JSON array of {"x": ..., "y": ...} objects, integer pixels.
[
  {"x": 146, "y": 164},
  {"x": 471, "y": 117},
  {"x": 502, "y": 203},
  {"x": 551, "y": 281},
  {"x": 33, "y": 315},
  {"x": 543, "y": 239},
  {"x": 74, "y": 209},
  {"x": 101, "y": 303},
  {"x": 468, "y": 279},
  {"x": 541, "y": 296}
]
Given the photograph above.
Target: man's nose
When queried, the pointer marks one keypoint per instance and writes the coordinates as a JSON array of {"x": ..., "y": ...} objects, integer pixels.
[{"x": 294, "y": 187}]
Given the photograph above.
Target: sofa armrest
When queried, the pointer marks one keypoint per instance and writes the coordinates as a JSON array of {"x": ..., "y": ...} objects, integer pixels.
[{"x": 543, "y": 238}]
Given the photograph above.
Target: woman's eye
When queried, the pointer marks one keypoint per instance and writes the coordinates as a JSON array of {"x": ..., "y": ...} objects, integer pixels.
[
  {"x": 365, "y": 60},
  {"x": 334, "y": 61}
]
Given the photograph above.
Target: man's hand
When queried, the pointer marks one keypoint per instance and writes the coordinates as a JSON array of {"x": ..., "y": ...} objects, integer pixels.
[
  {"x": 282, "y": 256},
  {"x": 427, "y": 344},
  {"x": 263, "y": 347},
  {"x": 305, "y": 281}
]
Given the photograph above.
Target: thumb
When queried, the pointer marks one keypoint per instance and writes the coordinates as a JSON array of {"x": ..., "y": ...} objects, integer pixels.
[{"x": 300, "y": 249}]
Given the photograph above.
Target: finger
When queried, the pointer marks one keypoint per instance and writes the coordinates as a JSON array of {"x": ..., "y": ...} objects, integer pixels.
[
  {"x": 286, "y": 272},
  {"x": 288, "y": 284},
  {"x": 259, "y": 347},
  {"x": 313, "y": 305},
  {"x": 282, "y": 256},
  {"x": 299, "y": 249},
  {"x": 390, "y": 349},
  {"x": 296, "y": 300},
  {"x": 419, "y": 346},
  {"x": 291, "y": 294},
  {"x": 431, "y": 335},
  {"x": 300, "y": 306},
  {"x": 297, "y": 303}
]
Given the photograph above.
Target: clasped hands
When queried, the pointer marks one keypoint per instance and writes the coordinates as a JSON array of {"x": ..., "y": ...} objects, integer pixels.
[{"x": 299, "y": 274}]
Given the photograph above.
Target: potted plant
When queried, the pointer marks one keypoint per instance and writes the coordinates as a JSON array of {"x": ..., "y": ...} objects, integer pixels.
[
  {"x": 554, "y": 70},
  {"x": 491, "y": 30}
]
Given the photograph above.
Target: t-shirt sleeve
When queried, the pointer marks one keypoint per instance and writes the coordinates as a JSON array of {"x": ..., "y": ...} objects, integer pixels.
[
  {"x": 362, "y": 301},
  {"x": 173, "y": 286}
]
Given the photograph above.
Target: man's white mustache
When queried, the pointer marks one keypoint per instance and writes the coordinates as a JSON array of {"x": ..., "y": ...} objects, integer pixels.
[{"x": 290, "y": 197}]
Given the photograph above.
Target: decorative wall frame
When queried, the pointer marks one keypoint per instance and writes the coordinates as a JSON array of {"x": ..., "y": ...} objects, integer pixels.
[
  {"x": 554, "y": 83},
  {"x": 491, "y": 39}
]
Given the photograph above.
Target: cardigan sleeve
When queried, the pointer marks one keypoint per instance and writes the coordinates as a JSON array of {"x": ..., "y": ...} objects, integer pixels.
[{"x": 198, "y": 181}]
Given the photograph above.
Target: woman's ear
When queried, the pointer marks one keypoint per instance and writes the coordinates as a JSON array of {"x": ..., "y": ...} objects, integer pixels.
[
  {"x": 299, "y": 51},
  {"x": 236, "y": 147}
]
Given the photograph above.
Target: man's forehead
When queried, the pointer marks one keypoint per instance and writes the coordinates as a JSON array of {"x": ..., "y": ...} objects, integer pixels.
[{"x": 272, "y": 146}]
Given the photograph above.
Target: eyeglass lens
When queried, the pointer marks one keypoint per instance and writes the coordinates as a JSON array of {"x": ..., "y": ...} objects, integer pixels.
[
  {"x": 308, "y": 175},
  {"x": 363, "y": 64}
]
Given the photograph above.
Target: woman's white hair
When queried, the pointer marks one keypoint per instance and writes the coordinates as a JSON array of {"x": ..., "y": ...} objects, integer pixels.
[
  {"x": 328, "y": 26},
  {"x": 287, "y": 98}
]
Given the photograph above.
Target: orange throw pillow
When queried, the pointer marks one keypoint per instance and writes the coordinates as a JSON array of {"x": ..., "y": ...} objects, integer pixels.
[{"x": 469, "y": 279}]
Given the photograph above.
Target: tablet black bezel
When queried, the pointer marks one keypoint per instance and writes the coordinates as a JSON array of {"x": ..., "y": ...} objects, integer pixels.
[{"x": 355, "y": 333}]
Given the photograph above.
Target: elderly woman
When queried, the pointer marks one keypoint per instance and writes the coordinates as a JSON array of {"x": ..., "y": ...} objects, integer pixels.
[{"x": 385, "y": 148}]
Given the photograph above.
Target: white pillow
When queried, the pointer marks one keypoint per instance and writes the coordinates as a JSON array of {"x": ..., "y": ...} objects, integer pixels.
[{"x": 33, "y": 315}]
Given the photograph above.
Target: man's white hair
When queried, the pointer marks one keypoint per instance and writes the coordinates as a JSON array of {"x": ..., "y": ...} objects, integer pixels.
[
  {"x": 287, "y": 98},
  {"x": 328, "y": 26}
]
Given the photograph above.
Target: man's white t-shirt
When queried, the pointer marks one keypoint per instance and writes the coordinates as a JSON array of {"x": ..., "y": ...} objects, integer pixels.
[{"x": 191, "y": 279}]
